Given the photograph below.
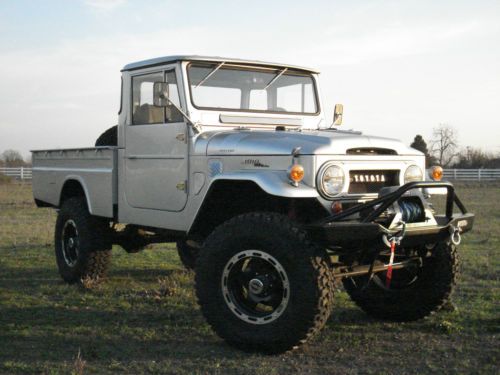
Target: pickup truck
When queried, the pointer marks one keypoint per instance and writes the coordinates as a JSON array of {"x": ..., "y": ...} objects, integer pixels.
[{"x": 267, "y": 201}]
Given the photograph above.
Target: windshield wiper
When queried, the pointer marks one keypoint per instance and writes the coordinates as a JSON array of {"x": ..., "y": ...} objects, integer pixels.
[
  {"x": 209, "y": 74},
  {"x": 275, "y": 78}
]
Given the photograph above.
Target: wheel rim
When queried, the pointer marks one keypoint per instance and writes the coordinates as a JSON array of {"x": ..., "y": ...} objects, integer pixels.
[
  {"x": 255, "y": 287},
  {"x": 70, "y": 243}
]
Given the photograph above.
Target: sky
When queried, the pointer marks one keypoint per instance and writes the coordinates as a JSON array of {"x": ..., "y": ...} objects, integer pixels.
[{"x": 400, "y": 68}]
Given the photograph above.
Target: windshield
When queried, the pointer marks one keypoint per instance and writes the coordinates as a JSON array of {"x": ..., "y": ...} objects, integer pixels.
[{"x": 220, "y": 86}]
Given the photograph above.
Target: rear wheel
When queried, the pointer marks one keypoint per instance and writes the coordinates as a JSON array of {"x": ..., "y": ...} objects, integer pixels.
[
  {"x": 82, "y": 245},
  {"x": 414, "y": 293},
  {"x": 261, "y": 285},
  {"x": 187, "y": 254}
]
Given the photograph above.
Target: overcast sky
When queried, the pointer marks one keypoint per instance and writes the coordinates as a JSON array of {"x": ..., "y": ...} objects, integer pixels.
[{"x": 399, "y": 67}]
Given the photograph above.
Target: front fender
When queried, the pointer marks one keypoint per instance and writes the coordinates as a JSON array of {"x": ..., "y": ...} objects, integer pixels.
[{"x": 272, "y": 182}]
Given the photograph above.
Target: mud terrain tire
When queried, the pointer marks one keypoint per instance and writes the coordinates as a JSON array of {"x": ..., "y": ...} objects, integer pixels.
[
  {"x": 82, "y": 245},
  {"x": 108, "y": 138},
  {"x": 269, "y": 241},
  {"x": 426, "y": 295},
  {"x": 187, "y": 254}
]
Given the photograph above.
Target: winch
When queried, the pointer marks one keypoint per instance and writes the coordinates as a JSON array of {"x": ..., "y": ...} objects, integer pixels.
[{"x": 412, "y": 210}]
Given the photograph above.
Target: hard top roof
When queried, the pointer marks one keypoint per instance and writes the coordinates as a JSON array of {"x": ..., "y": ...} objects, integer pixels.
[{"x": 169, "y": 59}]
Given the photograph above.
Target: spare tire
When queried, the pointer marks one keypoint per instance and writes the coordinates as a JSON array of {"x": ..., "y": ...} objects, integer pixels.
[{"x": 108, "y": 138}]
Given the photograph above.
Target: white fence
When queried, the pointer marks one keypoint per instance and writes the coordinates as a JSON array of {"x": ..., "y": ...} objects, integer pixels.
[
  {"x": 20, "y": 173},
  {"x": 472, "y": 174},
  {"x": 23, "y": 173}
]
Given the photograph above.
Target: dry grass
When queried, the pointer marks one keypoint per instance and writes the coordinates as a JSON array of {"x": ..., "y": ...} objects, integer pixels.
[{"x": 144, "y": 318}]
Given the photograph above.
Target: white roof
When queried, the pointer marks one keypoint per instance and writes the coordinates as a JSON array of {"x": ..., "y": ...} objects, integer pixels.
[{"x": 169, "y": 59}]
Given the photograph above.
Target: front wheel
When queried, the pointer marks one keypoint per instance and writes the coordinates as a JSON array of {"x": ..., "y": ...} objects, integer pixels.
[
  {"x": 414, "y": 293},
  {"x": 261, "y": 285}
]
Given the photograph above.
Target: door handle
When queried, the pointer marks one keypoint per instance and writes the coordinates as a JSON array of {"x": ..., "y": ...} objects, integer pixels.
[{"x": 181, "y": 137}]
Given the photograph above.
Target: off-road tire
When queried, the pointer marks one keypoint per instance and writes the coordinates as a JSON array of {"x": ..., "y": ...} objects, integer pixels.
[
  {"x": 310, "y": 280},
  {"x": 109, "y": 137},
  {"x": 187, "y": 254},
  {"x": 94, "y": 252},
  {"x": 431, "y": 290}
]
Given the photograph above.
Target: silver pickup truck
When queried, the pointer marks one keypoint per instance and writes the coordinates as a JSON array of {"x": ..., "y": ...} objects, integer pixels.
[{"x": 235, "y": 161}]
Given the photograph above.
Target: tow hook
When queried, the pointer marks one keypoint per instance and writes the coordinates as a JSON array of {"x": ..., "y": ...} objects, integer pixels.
[
  {"x": 392, "y": 242},
  {"x": 455, "y": 237}
]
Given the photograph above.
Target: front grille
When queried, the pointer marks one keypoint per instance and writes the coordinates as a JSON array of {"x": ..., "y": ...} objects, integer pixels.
[
  {"x": 371, "y": 181},
  {"x": 371, "y": 151}
]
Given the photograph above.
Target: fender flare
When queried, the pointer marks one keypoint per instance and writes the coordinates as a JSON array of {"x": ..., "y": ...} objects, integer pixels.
[
  {"x": 81, "y": 181},
  {"x": 272, "y": 182}
]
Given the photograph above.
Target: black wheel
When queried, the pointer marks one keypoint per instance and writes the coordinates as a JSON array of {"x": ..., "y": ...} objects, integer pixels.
[
  {"x": 82, "y": 245},
  {"x": 261, "y": 285},
  {"x": 414, "y": 293},
  {"x": 109, "y": 137},
  {"x": 188, "y": 254}
]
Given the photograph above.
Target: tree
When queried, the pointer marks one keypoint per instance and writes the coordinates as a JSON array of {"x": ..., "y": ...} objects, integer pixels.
[
  {"x": 444, "y": 144},
  {"x": 12, "y": 158},
  {"x": 420, "y": 145},
  {"x": 476, "y": 158}
]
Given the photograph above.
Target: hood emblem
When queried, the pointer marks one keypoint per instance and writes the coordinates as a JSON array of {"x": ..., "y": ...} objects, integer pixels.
[{"x": 255, "y": 162}]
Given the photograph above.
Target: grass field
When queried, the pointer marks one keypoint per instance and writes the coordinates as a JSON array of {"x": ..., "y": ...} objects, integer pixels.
[{"x": 145, "y": 319}]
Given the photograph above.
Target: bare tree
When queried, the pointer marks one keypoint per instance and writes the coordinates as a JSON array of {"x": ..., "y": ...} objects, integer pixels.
[
  {"x": 444, "y": 144},
  {"x": 12, "y": 158},
  {"x": 471, "y": 157}
]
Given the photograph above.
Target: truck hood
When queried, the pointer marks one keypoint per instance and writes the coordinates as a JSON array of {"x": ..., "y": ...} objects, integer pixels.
[{"x": 312, "y": 142}]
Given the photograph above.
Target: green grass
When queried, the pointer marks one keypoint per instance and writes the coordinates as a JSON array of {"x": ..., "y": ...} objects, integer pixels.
[{"x": 144, "y": 318}]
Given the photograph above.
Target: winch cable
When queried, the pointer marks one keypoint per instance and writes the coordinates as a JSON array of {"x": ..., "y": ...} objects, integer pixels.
[
  {"x": 394, "y": 240},
  {"x": 391, "y": 243}
]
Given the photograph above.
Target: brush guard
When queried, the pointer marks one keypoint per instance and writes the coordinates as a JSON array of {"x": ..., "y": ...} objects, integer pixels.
[{"x": 343, "y": 231}]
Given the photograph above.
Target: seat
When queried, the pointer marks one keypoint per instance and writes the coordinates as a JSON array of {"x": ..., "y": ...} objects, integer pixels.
[{"x": 148, "y": 114}]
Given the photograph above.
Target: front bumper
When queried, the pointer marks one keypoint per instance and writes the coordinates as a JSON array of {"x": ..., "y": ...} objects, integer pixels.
[{"x": 340, "y": 230}]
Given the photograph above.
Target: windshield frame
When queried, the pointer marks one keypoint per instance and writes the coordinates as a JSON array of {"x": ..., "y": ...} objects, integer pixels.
[{"x": 277, "y": 70}]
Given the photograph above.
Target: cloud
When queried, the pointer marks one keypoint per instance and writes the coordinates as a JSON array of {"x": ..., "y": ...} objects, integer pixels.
[{"x": 104, "y": 5}]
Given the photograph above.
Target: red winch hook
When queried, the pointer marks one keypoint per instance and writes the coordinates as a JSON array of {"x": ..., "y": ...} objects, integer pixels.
[{"x": 392, "y": 242}]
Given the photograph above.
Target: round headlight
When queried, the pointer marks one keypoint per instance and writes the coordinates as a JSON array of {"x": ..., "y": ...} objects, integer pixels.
[
  {"x": 413, "y": 173},
  {"x": 331, "y": 180}
]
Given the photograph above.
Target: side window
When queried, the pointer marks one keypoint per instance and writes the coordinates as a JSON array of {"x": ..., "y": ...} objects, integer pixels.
[
  {"x": 143, "y": 109},
  {"x": 171, "y": 113}
]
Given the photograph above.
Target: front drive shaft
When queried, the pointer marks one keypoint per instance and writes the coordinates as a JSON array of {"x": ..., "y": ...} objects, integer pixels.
[{"x": 342, "y": 272}]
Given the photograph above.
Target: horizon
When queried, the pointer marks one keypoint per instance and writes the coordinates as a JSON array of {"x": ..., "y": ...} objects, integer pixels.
[{"x": 399, "y": 69}]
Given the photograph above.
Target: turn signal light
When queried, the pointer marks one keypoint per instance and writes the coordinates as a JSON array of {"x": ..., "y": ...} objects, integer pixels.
[
  {"x": 296, "y": 173},
  {"x": 336, "y": 207},
  {"x": 437, "y": 173}
]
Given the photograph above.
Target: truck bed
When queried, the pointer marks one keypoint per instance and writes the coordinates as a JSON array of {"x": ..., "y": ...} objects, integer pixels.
[{"x": 94, "y": 169}]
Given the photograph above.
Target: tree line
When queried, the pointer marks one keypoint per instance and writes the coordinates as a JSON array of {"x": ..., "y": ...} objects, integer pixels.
[
  {"x": 445, "y": 151},
  {"x": 13, "y": 159}
]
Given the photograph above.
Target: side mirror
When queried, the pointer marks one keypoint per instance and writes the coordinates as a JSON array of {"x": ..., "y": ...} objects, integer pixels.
[
  {"x": 160, "y": 94},
  {"x": 337, "y": 114}
]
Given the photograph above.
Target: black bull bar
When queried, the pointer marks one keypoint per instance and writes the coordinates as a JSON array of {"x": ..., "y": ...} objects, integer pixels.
[{"x": 339, "y": 230}]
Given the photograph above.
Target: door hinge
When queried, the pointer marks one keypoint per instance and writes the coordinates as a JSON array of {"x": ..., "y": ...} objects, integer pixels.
[
  {"x": 181, "y": 137},
  {"x": 181, "y": 186}
]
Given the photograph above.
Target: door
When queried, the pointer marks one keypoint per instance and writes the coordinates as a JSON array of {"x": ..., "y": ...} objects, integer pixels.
[{"x": 156, "y": 165}]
